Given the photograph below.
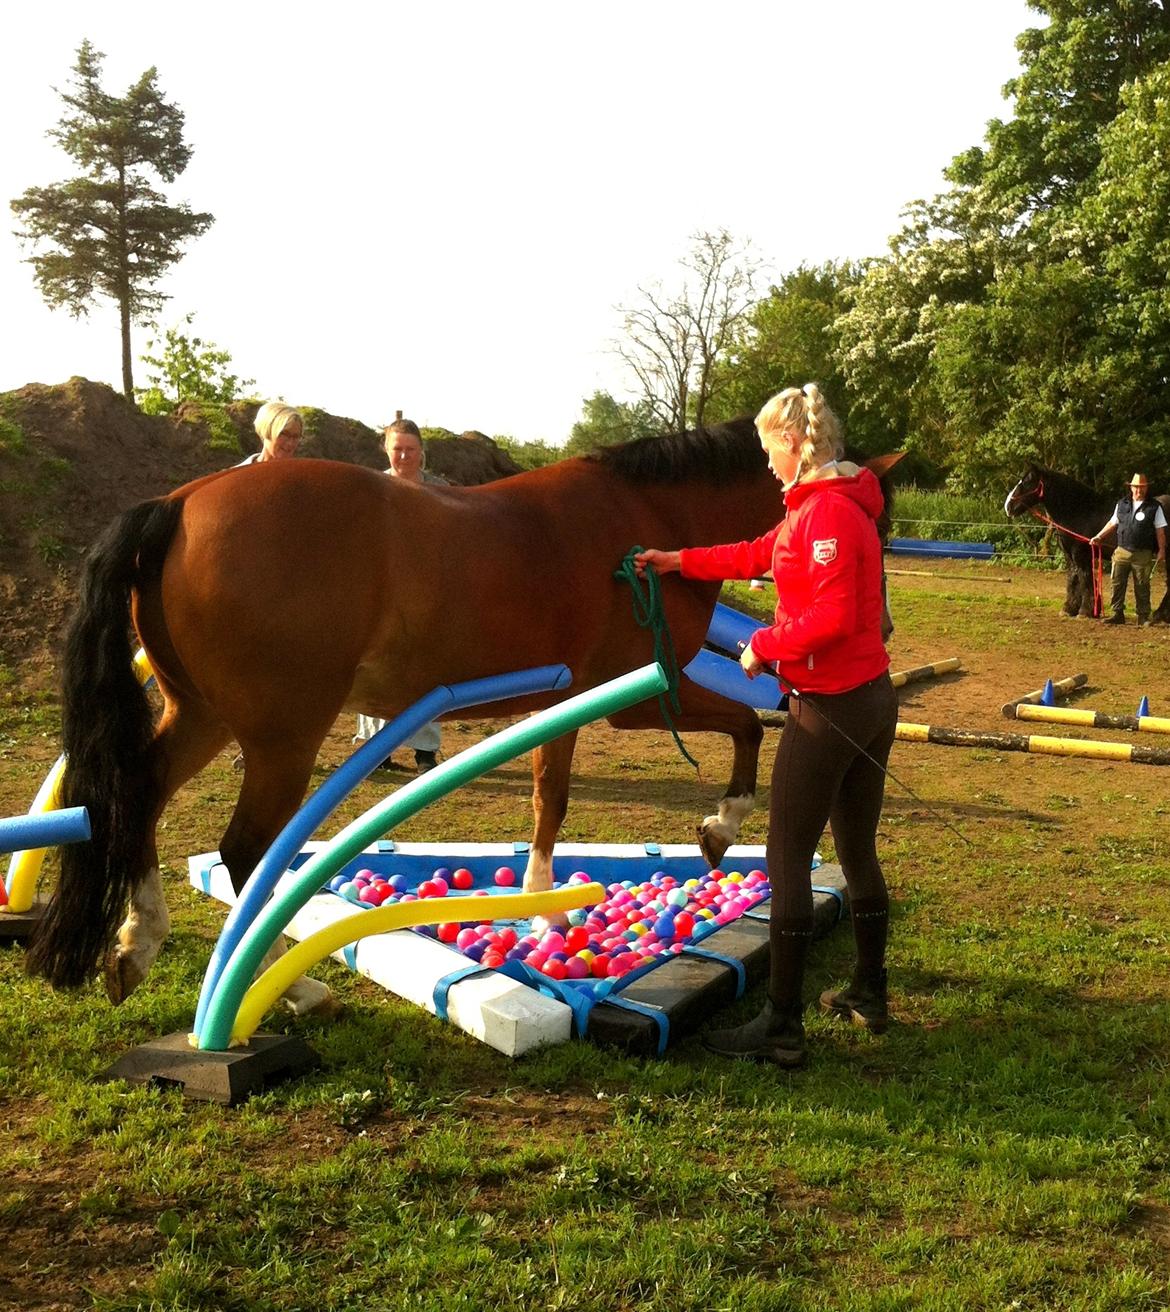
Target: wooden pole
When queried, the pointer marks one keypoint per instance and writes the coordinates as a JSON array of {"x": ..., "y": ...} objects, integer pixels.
[
  {"x": 1061, "y": 688},
  {"x": 1094, "y": 719},
  {"x": 924, "y": 672},
  {"x": 1019, "y": 742}
]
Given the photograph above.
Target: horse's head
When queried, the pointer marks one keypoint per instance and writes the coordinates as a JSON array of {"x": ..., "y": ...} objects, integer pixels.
[{"x": 1028, "y": 492}]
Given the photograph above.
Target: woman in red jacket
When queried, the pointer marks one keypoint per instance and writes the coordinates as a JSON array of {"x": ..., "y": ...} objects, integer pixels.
[{"x": 826, "y": 646}]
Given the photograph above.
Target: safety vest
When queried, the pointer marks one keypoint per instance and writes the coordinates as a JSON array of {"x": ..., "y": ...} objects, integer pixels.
[{"x": 1135, "y": 528}]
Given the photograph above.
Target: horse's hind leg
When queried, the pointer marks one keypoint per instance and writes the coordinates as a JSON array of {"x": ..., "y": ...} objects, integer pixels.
[
  {"x": 275, "y": 779},
  {"x": 188, "y": 736}
]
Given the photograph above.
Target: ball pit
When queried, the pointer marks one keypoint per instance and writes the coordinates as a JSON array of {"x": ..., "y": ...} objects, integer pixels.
[{"x": 638, "y": 924}]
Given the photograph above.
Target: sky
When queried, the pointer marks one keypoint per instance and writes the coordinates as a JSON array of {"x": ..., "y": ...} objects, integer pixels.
[{"x": 440, "y": 207}]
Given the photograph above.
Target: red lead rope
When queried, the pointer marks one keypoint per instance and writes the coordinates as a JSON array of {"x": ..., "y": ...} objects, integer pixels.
[{"x": 1096, "y": 555}]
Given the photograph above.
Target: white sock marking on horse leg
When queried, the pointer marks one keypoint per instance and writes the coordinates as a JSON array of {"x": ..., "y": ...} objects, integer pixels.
[
  {"x": 538, "y": 878},
  {"x": 303, "y": 995},
  {"x": 719, "y": 831},
  {"x": 140, "y": 938}
]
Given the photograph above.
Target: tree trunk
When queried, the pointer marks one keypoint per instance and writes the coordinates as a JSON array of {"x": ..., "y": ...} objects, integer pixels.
[{"x": 127, "y": 370}]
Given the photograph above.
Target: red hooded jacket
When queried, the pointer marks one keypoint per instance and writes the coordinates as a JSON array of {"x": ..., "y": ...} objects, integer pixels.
[{"x": 826, "y": 558}]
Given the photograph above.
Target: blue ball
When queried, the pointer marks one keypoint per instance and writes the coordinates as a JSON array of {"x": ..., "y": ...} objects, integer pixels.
[
  {"x": 399, "y": 883},
  {"x": 336, "y": 882}
]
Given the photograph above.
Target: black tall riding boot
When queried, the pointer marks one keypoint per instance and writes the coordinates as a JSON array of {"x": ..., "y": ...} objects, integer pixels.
[
  {"x": 865, "y": 1002},
  {"x": 777, "y": 1033}
]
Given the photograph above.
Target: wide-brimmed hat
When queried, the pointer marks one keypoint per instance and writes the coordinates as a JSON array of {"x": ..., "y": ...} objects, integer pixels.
[{"x": 1139, "y": 480}]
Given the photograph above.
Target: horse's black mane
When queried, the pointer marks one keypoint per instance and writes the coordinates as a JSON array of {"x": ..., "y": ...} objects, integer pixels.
[
  {"x": 722, "y": 453},
  {"x": 1053, "y": 478}
]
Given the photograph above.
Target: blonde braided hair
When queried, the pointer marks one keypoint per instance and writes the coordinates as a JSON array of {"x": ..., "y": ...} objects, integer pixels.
[{"x": 804, "y": 412}]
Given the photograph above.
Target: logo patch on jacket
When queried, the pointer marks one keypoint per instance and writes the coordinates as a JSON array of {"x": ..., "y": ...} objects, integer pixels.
[{"x": 825, "y": 551}]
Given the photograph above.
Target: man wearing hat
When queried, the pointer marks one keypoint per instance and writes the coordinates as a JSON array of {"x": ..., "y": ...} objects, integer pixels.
[{"x": 1141, "y": 532}]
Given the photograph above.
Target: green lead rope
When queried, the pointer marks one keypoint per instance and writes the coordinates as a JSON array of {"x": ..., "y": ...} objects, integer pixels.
[{"x": 650, "y": 615}]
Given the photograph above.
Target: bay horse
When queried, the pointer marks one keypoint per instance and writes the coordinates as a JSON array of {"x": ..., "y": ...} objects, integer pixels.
[
  {"x": 1072, "y": 505},
  {"x": 273, "y": 598}
]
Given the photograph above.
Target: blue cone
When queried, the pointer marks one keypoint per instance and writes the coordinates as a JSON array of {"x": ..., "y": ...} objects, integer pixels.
[
  {"x": 1143, "y": 707},
  {"x": 1048, "y": 696}
]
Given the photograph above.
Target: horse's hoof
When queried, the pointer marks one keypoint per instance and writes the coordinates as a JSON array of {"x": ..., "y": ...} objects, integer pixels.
[
  {"x": 712, "y": 844},
  {"x": 309, "y": 997},
  {"x": 542, "y": 924},
  {"x": 121, "y": 977}
]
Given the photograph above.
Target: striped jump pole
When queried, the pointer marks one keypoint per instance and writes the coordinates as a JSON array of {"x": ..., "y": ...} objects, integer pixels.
[
  {"x": 1034, "y": 743},
  {"x": 1060, "y": 688},
  {"x": 1094, "y": 719},
  {"x": 921, "y": 672}
]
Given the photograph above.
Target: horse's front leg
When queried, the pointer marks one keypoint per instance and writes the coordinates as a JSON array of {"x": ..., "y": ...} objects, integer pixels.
[
  {"x": 702, "y": 711},
  {"x": 552, "y": 764}
]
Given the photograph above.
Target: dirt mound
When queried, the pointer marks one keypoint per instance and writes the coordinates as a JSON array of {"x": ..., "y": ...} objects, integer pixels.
[
  {"x": 469, "y": 459},
  {"x": 73, "y": 456}
]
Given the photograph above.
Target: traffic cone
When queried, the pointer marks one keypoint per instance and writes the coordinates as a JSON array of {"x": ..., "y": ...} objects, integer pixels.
[
  {"x": 1048, "y": 696},
  {"x": 1143, "y": 707}
]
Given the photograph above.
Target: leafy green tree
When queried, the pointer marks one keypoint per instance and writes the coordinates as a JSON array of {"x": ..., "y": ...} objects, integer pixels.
[
  {"x": 108, "y": 232},
  {"x": 986, "y": 332},
  {"x": 187, "y": 368},
  {"x": 534, "y": 454},
  {"x": 606, "y": 422}
]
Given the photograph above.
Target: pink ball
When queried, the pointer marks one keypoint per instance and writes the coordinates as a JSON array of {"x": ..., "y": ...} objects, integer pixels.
[
  {"x": 575, "y": 968},
  {"x": 466, "y": 937},
  {"x": 505, "y": 877},
  {"x": 441, "y": 886}
]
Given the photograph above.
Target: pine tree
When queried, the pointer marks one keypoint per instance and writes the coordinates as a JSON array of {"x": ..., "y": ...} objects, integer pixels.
[{"x": 108, "y": 232}]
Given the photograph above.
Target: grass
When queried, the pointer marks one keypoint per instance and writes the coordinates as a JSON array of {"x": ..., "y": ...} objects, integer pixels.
[{"x": 1006, "y": 1146}]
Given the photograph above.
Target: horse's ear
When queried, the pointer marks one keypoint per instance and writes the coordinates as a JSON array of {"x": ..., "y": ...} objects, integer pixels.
[{"x": 881, "y": 465}]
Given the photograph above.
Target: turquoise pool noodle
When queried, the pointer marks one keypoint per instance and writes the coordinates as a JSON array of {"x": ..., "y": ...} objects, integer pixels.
[{"x": 569, "y": 715}]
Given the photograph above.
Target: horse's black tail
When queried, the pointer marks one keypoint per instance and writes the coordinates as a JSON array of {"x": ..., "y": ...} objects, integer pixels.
[{"x": 107, "y": 730}]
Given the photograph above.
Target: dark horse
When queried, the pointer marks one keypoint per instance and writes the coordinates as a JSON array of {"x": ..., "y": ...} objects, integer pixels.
[
  {"x": 273, "y": 598},
  {"x": 1073, "y": 506}
]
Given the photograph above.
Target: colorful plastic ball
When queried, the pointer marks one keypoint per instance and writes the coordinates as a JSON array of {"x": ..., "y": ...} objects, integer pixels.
[
  {"x": 492, "y": 958},
  {"x": 664, "y": 927},
  {"x": 575, "y": 968},
  {"x": 465, "y": 938},
  {"x": 427, "y": 889},
  {"x": 684, "y": 923},
  {"x": 449, "y": 932},
  {"x": 576, "y": 938},
  {"x": 336, "y": 882},
  {"x": 554, "y": 969},
  {"x": 399, "y": 883},
  {"x": 462, "y": 879},
  {"x": 505, "y": 877},
  {"x": 475, "y": 951},
  {"x": 349, "y": 890}
]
